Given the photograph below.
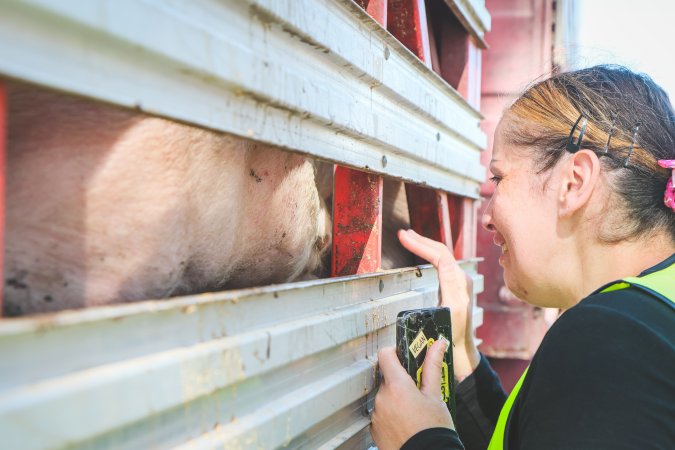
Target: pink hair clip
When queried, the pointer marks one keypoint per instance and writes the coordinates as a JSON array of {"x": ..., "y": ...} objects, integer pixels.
[{"x": 669, "y": 196}]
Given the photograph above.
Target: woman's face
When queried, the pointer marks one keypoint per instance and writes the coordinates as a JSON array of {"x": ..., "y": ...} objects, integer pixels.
[{"x": 522, "y": 214}]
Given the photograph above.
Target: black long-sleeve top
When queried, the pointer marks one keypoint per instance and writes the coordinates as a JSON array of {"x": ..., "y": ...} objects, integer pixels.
[{"x": 602, "y": 378}]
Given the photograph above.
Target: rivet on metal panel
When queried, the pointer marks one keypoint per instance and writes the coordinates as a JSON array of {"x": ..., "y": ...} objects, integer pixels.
[
  {"x": 381, "y": 285},
  {"x": 384, "y": 161}
]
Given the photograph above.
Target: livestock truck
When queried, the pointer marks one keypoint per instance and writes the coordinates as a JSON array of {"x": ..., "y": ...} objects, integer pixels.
[{"x": 382, "y": 90}]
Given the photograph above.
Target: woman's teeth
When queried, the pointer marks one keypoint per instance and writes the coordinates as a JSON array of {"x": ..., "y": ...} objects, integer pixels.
[{"x": 504, "y": 248}]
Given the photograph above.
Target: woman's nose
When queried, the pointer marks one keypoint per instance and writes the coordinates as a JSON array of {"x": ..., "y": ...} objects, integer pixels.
[{"x": 486, "y": 218}]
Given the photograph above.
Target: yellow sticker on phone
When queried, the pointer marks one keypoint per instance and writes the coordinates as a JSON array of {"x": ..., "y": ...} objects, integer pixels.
[{"x": 418, "y": 344}]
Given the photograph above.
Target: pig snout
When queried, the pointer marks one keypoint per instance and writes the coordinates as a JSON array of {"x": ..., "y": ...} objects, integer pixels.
[{"x": 107, "y": 205}]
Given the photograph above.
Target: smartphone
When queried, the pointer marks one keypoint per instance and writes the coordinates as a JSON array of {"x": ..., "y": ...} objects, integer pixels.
[{"x": 416, "y": 331}]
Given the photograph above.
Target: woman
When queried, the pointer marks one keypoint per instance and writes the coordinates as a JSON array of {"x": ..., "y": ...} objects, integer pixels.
[{"x": 581, "y": 162}]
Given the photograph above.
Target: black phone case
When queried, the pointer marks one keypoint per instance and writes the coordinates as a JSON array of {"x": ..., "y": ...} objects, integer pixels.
[{"x": 416, "y": 330}]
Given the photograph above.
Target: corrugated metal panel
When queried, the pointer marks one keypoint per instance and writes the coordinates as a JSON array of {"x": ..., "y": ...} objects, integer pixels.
[
  {"x": 344, "y": 89},
  {"x": 290, "y": 365}
]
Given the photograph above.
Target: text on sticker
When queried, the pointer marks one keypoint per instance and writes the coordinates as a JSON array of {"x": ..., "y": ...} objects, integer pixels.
[{"x": 418, "y": 344}]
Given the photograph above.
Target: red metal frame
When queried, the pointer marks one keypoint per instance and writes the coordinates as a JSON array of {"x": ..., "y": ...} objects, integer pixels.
[
  {"x": 377, "y": 9},
  {"x": 463, "y": 217},
  {"x": 357, "y": 222},
  {"x": 470, "y": 84},
  {"x": 357, "y": 199},
  {"x": 458, "y": 58},
  {"x": 429, "y": 214},
  {"x": 3, "y": 135},
  {"x": 470, "y": 229},
  {"x": 456, "y": 211},
  {"x": 433, "y": 30},
  {"x": 407, "y": 21}
]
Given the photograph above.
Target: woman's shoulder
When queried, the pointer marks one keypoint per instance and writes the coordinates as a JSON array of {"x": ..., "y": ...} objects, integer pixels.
[
  {"x": 602, "y": 337},
  {"x": 601, "y": 375},
  {"x": 616, "y": 312},
  {"x": 607, "y": 333}
]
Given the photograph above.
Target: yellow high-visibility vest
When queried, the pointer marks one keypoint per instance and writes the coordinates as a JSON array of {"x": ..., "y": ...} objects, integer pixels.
[{"x": 660, "y": 284}]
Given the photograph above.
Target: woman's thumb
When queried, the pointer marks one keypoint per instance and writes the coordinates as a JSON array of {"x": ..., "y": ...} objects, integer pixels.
[{"x": 431, "y": 371}]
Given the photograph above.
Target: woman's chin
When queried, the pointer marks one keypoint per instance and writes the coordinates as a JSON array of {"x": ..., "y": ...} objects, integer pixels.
[{"x": 515, "y": 288}]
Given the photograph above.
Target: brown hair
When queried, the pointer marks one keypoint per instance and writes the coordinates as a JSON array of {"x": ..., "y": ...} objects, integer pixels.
[{"x": 543, "y": 116}]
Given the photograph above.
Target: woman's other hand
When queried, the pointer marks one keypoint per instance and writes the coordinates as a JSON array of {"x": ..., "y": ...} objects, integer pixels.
[
  {"x": 456, "y": 292},
  {"x": 401, "y": 410}
]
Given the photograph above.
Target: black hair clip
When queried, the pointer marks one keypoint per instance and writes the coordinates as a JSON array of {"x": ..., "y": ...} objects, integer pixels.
[
  {"x": 632, "y": 145},
  {"x": 572, "y": 146},
  {"x": 611, "y": 132}
]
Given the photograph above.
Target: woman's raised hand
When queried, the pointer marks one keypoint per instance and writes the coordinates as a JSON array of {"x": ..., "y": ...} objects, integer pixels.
[{"x": 456, "y": 292}]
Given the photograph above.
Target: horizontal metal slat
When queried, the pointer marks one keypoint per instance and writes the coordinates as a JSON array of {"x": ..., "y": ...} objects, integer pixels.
[
  {"x": 77, "y": 340},
  {"x": 348, "y": 92},
  {"x": 179, "y": 376},
  {"x": 285, "y": 417},
  {"x": 347, "y": 434}
]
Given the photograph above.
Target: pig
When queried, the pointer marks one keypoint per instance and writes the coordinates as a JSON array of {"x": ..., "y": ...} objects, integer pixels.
[{"x": 108, "y": 205}]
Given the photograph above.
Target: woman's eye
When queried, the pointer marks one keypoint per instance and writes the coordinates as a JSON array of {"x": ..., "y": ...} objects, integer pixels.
[{"x": 496, "y": 179}]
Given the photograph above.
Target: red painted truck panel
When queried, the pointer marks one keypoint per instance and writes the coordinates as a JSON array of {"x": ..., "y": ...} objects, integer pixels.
[
  {"x": 377, "y": 9},
  {"x": 429, "y": 215},
  {"x": 357, "y": 222},
  {"x": 407, "y": 20}
]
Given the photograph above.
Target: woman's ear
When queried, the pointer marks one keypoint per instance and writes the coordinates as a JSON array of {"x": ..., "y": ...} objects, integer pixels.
[{"x": 579, "y": 178}]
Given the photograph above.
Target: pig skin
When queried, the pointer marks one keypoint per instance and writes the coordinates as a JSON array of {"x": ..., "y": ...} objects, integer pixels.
[{"x": 106, "y": 205}]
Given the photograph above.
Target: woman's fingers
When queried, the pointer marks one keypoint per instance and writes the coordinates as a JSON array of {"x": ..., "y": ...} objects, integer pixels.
[
  {"x": 401, "y": 410},
  {"x": 423, "y": 239},
  {"x": 425, "y": 248},
  {"x": 431, "y": 372},
  {"x": 437, "y": 254},
  {"x": 456, "y": 292}
]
